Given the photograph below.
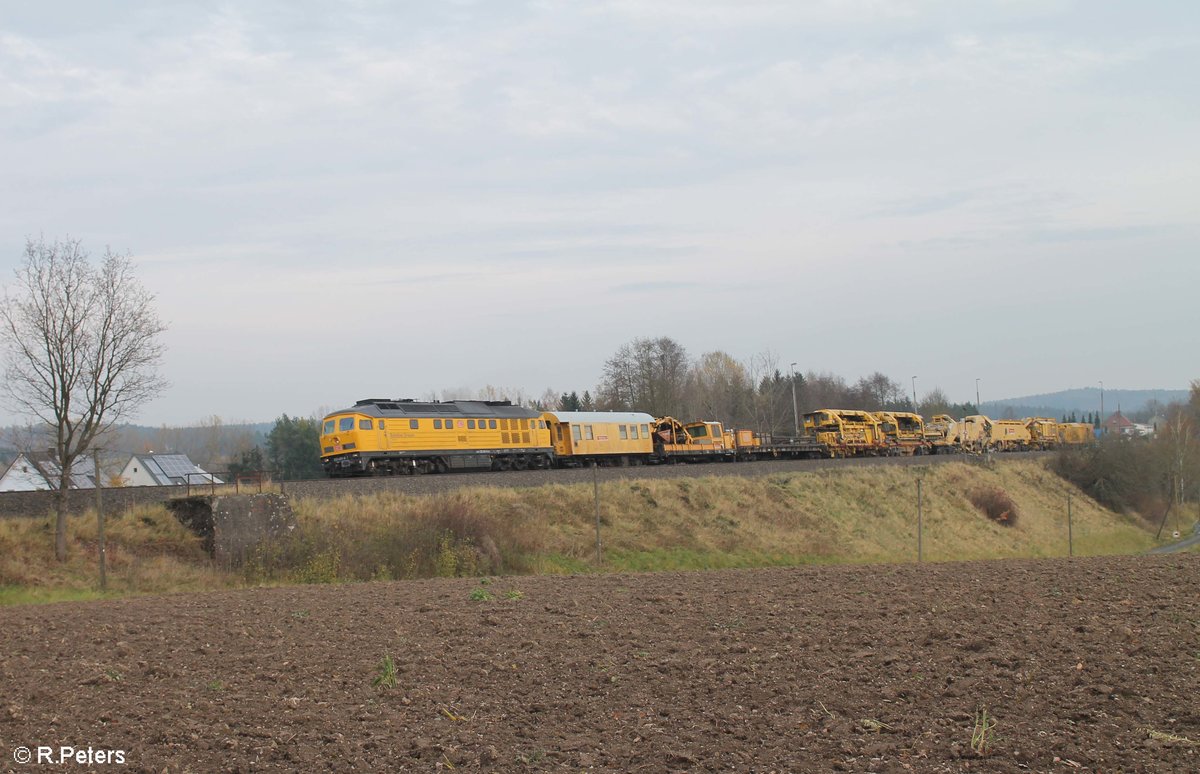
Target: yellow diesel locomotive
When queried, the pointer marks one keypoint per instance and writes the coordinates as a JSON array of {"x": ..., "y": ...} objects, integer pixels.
[{"x": 391, "y": 437}]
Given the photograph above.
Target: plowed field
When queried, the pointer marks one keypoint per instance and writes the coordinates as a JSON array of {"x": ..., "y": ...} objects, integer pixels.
[{"x": 1084, "y": 665}]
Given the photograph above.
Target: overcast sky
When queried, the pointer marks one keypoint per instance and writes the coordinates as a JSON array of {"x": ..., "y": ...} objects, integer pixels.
[{"x": 389, "y": 199}]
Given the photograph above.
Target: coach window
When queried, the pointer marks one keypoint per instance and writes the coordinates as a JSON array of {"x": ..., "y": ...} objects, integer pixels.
[
  {"x": 346, "y": 424},
  {"x": 365, "y": 424},
  {"x": 491, "y": 424},
  {"x": 645, "y": 431},
  {"x": 560, "y": 432},
  {"x": 587, "y": 432},
  {"x": 437, "y": 424},
  {"x": 413, "y": 424},
  {"x": 576, "y": 433},
  {"x": 624, "y": 433},
  {"x": 633, "y": 433}
]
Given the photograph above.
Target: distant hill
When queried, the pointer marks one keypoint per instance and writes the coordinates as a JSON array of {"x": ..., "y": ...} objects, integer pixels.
[{"x": 1083, "y": 400}]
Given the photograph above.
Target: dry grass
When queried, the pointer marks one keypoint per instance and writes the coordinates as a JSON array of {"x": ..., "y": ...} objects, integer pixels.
[
  {"x": 146, "y": 551},
  {"x": 841, "y": 515}
]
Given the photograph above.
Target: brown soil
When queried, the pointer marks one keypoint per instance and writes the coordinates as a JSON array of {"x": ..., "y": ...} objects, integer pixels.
[{"x": 1085, "y": 665}]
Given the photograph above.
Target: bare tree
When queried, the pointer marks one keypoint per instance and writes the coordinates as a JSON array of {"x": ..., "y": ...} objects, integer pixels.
[
  {"x": 645, "y": 375},
  {"x": 719, "y": 387},
  {"x": 82, "y": 350}
]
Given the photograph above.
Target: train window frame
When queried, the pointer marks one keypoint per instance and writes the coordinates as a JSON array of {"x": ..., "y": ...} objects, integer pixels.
[
  {"x": 576, "y": 433},
  {"x": 633, "y": 433},
  {"x": 470, "y": 424},
  {"x": 345, "y": 424},
  {"x": 381, "y": 425},
  {"x": 328, "y": 427},
  {"x": 491, "y": 424},
  {"x": 623, "y": 432},
  {"x": 437, "y": 424},
  {"x": 414, "y": 424},
  {"x": 366, "y": 424},
  {"x": 560, "y": 432},
  {"x": 646, "y": 430},
  {"x": 588, "y": 434}
]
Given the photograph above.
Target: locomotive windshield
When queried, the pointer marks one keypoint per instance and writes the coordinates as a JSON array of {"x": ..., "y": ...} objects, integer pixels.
[{"x": 328, "y": 428}]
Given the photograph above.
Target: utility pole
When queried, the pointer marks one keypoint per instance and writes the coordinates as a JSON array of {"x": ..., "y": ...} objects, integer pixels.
[
  {"x": 915, "y": 410},
  {"x": 978, "y": 409},
  {"x": 795, "y": 408},
  {"x": 1102, "y": 407}
]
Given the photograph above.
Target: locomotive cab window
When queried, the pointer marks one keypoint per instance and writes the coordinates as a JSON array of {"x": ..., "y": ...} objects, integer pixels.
[
  {"x": 328, "y": 427},
  {"x": 491, "y": 424},
  {"x": 346, "y": 424},
  {"x": 365, "y": 424}
]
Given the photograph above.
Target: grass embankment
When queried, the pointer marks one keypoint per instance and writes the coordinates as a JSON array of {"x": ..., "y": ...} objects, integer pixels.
[
  {"x": 146, "y": 551},
  {"x": 843, "y": 515}
]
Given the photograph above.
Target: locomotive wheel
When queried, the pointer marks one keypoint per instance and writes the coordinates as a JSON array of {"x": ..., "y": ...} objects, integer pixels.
[{"x": 520, "y": 463}]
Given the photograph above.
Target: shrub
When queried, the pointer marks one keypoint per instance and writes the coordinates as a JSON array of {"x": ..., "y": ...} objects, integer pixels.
[{"x": 995, "y": 503}]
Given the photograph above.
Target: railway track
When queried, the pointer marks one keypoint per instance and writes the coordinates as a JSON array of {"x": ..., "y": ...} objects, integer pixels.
[{"x": 434, "y": 484}]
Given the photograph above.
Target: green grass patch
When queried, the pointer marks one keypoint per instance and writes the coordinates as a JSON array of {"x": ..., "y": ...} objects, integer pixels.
[{"x": 34, "y": 595}]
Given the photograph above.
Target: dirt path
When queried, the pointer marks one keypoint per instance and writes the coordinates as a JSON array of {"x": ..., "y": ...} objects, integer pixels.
[{"x": 1085, "y": 665}]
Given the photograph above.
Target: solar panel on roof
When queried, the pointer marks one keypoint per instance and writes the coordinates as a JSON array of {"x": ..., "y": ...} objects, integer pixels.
[{"x": 175, "y": 465}]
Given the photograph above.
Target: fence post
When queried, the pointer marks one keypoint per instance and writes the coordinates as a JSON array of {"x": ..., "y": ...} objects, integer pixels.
[
  {"x": 100, "y": 522},
  {"x": 596, "y": 495},
  {"x": 1070, "y": 529},
  {"x": 920, "y": 522}
]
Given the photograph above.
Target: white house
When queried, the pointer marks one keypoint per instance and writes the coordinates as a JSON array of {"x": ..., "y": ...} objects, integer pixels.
[
  {"x": 164, "y": 470},
  {"x": 32, "y": 471}
]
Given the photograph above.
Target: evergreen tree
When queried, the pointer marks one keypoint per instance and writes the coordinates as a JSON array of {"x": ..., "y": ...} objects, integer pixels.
[
  {"x": 294, "y": 447},
  {"x": 251, "y": 461},
  {"x": 587, "y": 404},
  {"x": 569, "y": 401}
]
